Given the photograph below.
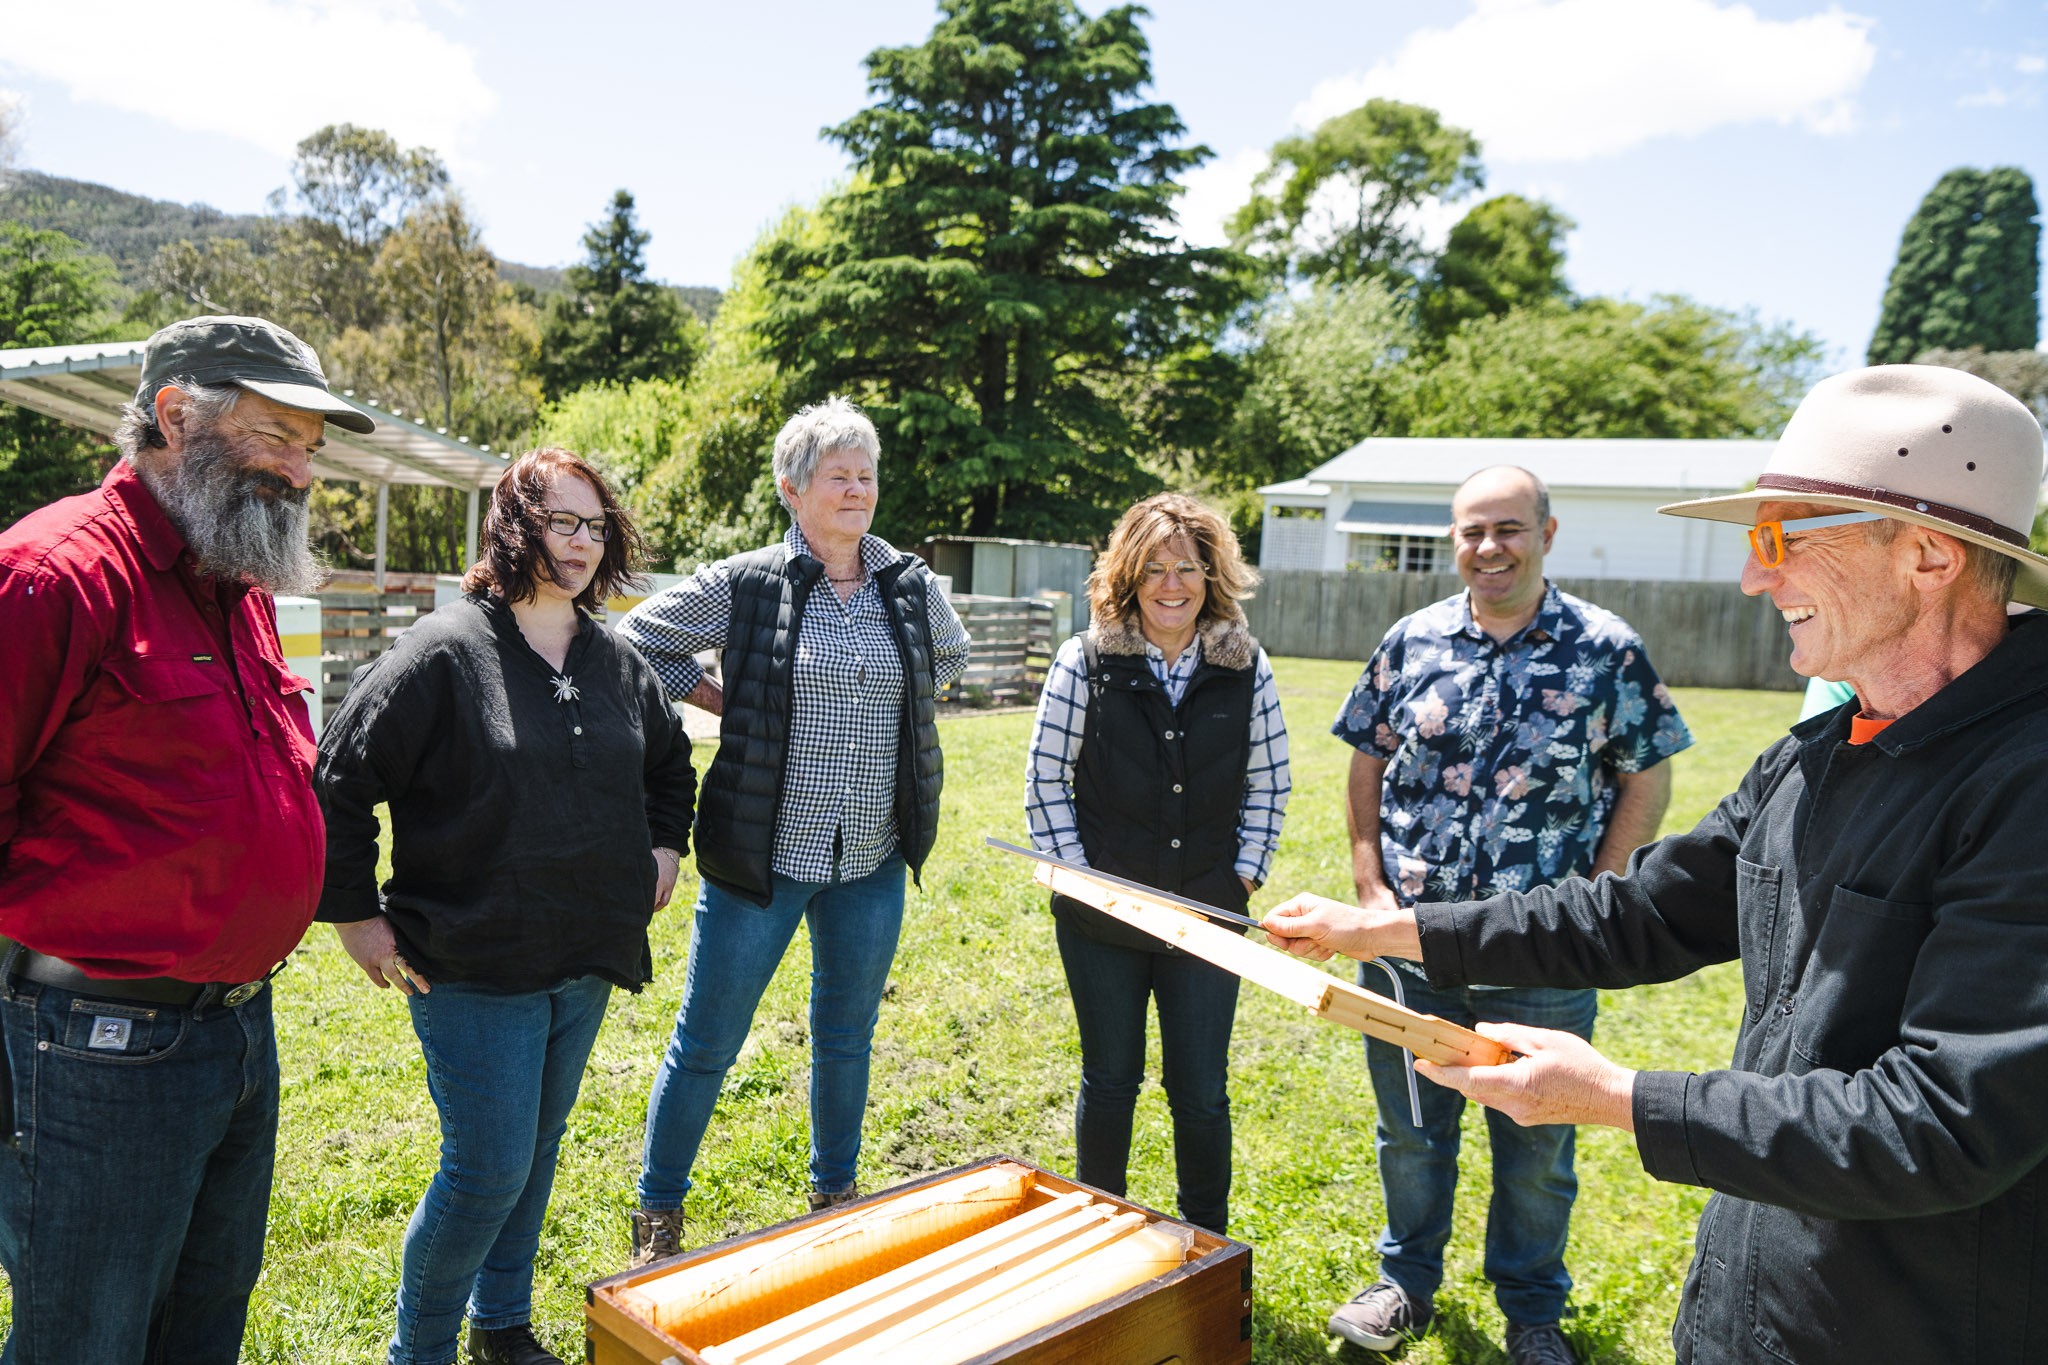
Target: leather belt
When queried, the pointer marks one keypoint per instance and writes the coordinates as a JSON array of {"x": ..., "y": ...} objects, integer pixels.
[{"x": 149, "y": 990}]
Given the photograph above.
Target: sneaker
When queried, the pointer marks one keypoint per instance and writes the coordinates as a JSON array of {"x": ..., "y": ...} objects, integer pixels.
[
  {"x": 1380, "y": 1316},
  {"x": 508, "y": 1346},
  {"x": 1539, "y": 1343},
  {"x": 821, "y": 1199},
  {"x": 657, "y": 1233}
]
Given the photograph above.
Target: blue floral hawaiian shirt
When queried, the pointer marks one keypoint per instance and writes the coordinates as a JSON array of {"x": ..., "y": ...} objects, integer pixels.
[{"x": 1500, "y": 753}]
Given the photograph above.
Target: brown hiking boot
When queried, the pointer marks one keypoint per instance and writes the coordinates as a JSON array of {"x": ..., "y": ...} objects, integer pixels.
[
  {"x": 657, "y": 1234},
  {"x": 820, "y": 1199}
]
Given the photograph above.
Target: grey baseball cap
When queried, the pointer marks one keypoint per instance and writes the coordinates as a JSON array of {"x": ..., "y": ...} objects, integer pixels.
[{"x": 260, "y": 356}]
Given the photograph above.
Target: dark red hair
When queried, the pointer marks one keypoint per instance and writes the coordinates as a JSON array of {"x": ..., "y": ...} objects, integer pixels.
[{"x": 513, "y": 557}]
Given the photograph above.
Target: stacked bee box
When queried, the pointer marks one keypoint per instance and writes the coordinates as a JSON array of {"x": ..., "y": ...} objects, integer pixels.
[{"x": 998, "y": 1261}]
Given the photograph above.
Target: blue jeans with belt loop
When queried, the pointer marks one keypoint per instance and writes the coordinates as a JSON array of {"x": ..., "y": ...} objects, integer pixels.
[
  {"x": 1529, "y": 1217},
  {"x": 133, "y": 1200},
  {"x": 504, "y": 1068},
  {"x": 735, "y": 947}
]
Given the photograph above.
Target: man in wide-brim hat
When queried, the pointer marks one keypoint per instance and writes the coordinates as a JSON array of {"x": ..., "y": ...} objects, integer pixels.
[{"x": 1877, "y": 1145}]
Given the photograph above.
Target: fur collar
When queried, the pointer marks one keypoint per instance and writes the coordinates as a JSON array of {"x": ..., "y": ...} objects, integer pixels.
[{"x": 1226, "y": 641}]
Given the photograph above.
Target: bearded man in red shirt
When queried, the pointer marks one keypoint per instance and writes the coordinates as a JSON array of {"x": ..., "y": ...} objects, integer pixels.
[{"x": 160, "y": 854}]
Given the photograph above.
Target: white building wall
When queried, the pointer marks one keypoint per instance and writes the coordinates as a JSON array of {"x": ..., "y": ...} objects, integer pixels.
[{"x": 1601, "y": 533}]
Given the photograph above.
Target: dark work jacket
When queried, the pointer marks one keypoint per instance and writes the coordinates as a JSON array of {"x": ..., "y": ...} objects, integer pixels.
[
  {"x": 1159, "y": 789},
  {"x": 522, "y": 827},
  {"x": 1877, "y": 1144},
  {"x": 742, "y": 799}
]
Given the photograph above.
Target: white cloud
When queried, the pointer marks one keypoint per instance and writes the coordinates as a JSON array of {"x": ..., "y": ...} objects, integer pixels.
[
  {"x": 265, "y": 71},
  {"x": 1570, "y": 80},
  {"x": 1216, "y": 190},
  {"x": 1991, "y": 97},
  {"x": 2029, "y": 65}
]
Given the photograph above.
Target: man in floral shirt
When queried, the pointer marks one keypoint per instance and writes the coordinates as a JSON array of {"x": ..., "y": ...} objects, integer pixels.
[{"x": 1508, "y": 737}]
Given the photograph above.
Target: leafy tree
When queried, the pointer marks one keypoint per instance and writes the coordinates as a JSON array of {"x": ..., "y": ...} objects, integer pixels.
[
  {"x": 1507, "y": 253},
  {"x": 1339, "y": 203},
  {"x": 2023, "y": 374},
  {"x": 1325, "y": 371},
  {"x": 359, "y": 183},
  {"x": 457, "y": 350},
  {"x": 1612, "y": 369},
  {"x": 616, "y": 325},
  {"x": 52, "y": 293},
  {"x": 1969, "y": 269},
  {"x": 693, "y": 458},
  {"x": 1001, "y": 270}
]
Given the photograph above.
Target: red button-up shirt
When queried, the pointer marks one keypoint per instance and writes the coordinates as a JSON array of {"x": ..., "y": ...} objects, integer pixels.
[{"x": 156, "y": 808}]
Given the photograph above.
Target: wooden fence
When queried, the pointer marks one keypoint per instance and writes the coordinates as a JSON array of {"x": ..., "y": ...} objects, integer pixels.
[
  {"x": 1010, "y": 649},
  {"x": 1698, "y": 634}
]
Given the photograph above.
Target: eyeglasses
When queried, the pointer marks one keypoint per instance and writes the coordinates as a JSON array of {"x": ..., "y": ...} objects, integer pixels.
[
  {"x": 1185, "y": 568},
  {"x": 565, "y": 523},
  {"x": 1768, "y": 538}
]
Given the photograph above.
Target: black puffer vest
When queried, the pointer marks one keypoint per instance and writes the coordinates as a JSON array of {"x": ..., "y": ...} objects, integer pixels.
[
  {"x": 741, "y": 801},
  {"x": 1158, "y": 789}
]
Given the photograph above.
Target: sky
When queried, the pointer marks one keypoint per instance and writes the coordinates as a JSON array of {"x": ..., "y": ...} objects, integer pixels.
[{"x": 1756, "y": 156}]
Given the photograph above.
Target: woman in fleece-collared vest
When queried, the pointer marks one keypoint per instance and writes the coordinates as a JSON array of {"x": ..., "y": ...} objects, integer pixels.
[{"x": 1159, "y": 755}]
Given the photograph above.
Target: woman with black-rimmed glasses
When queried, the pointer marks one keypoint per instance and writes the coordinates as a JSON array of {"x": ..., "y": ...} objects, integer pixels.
[{"x": 540, "y": 795}]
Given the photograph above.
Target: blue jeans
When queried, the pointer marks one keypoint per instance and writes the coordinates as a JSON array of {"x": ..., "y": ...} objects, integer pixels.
[
  {"x": 1110, "y": 986},
  {"x": 133, "y": 1202},
  {"x": 735, "y": 947},
  {"x": 1533, "y": 1184},
  {"x": 503, "y": 1068}
]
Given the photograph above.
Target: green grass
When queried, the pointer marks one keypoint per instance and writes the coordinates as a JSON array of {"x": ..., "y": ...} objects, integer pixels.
[{"x": 976, "y": 1053}]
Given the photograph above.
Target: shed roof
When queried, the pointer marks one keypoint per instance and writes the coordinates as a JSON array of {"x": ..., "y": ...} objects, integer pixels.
[
  {"x": 87, "y": 385},
  {"x": 1673, "y": 466}
]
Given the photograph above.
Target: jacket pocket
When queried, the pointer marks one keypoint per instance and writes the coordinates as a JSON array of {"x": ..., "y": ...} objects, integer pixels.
[
  {"x": 1756, "y": 908},
  {"x": 1854, "y": 987}
]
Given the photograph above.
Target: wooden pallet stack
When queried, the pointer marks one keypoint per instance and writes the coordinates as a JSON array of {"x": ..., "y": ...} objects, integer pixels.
[{"x": 1010, "y": 649}]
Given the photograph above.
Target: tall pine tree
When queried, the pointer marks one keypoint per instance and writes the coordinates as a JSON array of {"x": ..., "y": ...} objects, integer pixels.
[
  {"x": 1969, "y": 269},
  {"x": 1001, "y": 284},
  {"x": 616, "y": 325}
]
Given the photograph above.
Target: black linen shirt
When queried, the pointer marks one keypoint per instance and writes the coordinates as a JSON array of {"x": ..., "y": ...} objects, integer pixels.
[{"x": 522, "y": 825}]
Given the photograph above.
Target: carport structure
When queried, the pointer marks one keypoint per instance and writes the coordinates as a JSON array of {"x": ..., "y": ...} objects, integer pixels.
[{"x": 86, "y": 385}]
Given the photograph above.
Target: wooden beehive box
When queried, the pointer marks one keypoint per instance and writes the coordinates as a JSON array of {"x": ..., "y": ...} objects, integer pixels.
[{"x": 1198, "y": 1313}]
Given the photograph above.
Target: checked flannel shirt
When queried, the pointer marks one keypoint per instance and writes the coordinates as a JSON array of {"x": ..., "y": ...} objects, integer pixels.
[
  {"x": 844, "y": 725},
  {"x": 1056, "y": 744}
]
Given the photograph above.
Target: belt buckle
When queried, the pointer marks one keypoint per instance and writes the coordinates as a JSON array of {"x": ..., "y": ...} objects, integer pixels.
[{"x": 244, "y": 993}]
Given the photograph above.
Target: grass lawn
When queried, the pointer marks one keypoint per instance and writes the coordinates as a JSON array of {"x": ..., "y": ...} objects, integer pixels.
[{"x": 976, "y": 1053}]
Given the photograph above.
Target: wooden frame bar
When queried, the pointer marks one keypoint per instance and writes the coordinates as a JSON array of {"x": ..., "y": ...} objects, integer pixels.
[{"x": 1321, "y": 994}]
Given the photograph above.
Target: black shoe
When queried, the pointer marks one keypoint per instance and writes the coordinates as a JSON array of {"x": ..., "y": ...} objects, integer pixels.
[
  {"x": 1539, "y": 1343},
  {"x": 508, "y": 1346},
  {"x": 1380, "y": 1317}
]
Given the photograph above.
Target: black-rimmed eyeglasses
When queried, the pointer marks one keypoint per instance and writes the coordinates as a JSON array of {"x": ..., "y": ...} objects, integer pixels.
[{"x": 564, "y": 524}]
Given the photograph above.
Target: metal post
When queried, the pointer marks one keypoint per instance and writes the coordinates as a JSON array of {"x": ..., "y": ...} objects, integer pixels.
[
  {"x": 383, "y": 516},
  {"x": 468, "y": 536}
]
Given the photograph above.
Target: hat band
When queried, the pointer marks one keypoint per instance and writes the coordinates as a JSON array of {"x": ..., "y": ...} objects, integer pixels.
[{"x": 1969, "y": 521}]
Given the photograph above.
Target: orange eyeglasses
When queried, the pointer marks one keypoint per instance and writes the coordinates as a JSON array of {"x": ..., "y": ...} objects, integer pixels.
[{"x": 1767, "y": 538}]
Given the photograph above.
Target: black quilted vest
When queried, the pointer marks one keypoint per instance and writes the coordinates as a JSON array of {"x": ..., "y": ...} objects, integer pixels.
[
  {"x": 741, "y": 800},
  {"x": 1158, "y": 788}
]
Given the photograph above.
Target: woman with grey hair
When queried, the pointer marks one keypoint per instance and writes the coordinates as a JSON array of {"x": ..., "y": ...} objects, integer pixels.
[{"x": 824, "y": 789}]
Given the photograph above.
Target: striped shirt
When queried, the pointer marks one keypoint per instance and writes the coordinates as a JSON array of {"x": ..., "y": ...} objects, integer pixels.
[
  {"x": 1056, "y": 743},
  {"x": 838, "y": 815}
]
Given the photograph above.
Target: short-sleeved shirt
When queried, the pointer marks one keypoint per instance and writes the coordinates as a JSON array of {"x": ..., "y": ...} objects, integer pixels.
[{"x": 1501, "y": 754}]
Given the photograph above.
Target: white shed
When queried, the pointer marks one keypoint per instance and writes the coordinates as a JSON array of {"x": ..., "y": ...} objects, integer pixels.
[{"x": 1386, "y": 504}]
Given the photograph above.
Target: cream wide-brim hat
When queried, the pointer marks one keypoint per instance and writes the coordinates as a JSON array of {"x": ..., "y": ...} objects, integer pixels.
[{"x": 1924, "y": 444}]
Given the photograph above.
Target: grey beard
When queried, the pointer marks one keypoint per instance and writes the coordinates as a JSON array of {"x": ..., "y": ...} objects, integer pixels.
[{"x": 216, "y": 501}]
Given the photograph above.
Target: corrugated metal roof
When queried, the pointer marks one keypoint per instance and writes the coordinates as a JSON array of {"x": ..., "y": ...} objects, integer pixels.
[
  {"x": 87, "y": 384},
  {"x": 1673, "y": 466},
  {"x": 1397, "y": 518}
]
